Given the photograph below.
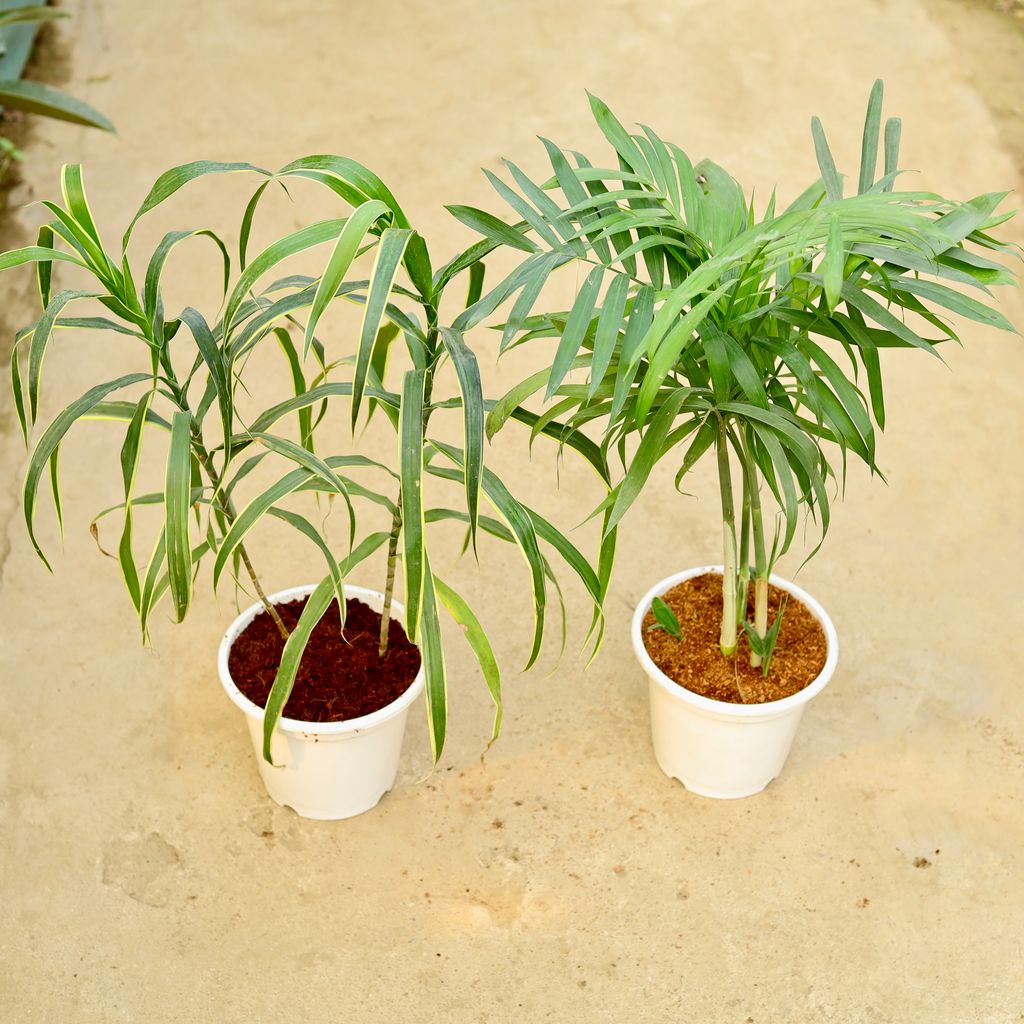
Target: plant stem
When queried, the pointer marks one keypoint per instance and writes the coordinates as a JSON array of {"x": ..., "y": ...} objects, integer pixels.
[
  {"x": 389, "y": 586},
  {"x": 760, "y": 555},
  {"x": 743, "y": 589},
  {"x": 227, "y": 506},
  {"x": 727, "y": 640}
]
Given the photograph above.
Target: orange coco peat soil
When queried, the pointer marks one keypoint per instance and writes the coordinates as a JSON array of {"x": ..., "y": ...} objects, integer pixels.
[
  {"x": 340, "y": 676},
  {"x": 696, "y": 662}
]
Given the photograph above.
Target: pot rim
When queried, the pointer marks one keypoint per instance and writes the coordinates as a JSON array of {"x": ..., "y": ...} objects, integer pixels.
[
  {"x": 769, "y": 709},
  {"x": 295, "y": 725}
]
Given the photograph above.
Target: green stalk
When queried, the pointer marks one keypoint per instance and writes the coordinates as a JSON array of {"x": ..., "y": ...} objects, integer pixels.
[
  {"x": 727, "y": 640},
  {"x": 760, "y": 553},
  {"x": 744, "y": 567},
  {"x": 389, "y": 586}
]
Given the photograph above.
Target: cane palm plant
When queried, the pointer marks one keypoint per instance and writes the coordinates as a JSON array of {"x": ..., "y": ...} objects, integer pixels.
[
  {"x": 214, "y": 443},
  {"x": 701, "y": 326}
]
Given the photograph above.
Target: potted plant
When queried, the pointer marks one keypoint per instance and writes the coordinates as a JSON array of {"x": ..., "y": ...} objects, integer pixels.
[
  {"x": 337, "y": 753},
  {"x": 704, "y": 329}
]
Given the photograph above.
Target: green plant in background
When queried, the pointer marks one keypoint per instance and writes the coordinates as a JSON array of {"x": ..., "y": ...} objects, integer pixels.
[
  {"x": 213, "y": 443},
  {"x": 702, "y": 327},
  {"x": 35, "y": 97}
]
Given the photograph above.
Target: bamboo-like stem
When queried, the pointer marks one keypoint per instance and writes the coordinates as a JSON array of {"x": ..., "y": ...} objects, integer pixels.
[
  {"x": 743, "y": 589},
  {"x": 227, "y": 506},
  {"x": 760, "y": 552},
  {"x": 727, "y": 639},
  {"x": 389, "y": 585}
]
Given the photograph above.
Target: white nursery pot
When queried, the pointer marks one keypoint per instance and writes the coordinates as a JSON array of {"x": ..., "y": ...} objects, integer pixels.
[
  {"x": 326, "y": 770},
  {"x": 712, "y": 747}
]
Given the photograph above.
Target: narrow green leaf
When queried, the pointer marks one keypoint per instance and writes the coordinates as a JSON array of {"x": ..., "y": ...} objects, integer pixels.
[
  {"x": 129, "y": 466},
  {"x": 52, "y": 437},
  {"x": 575, "y": 329},
  {"x": 41, "y": 339},
  {"x": 316, "y": 606},
  {"x": 410, "y": 440},
  {"x": 37, "y": 98},
  {"x": 390, "y": 249},
  {"x": 468, "y": 372},
  {"x": 214, "y": 359},
  {"x": 893, "y": 129},
  {"x": 833, "y": 263},
  {"x": 608, "y": 325},
  {"x": 432, "y": 649},
  {"x": 170, "y": 181},
  {"x": 650, "y": 450},
  {"x": 827, "y": 166},
  {"x": 491, "y": 227},
  {"x": 345, "y": 251},
  {"x": 869, "y": 144},
  {"x": 478, "y": 642},
  {"x": 177, "y": 492}
]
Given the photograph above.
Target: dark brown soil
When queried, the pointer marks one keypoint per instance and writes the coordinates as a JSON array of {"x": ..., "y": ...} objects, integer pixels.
[
  {"x": 340, "y": 677},
  {"x": 696, "y": 661}
]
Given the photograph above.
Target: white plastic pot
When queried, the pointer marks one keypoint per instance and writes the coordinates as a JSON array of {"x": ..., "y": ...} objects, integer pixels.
[
  {"x": 714, "y": 748},
  {"x": 326, "y": 770}
]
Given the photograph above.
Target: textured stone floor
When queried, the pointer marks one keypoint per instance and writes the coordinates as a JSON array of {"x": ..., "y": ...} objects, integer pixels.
[{"x": 145, "y": 877}]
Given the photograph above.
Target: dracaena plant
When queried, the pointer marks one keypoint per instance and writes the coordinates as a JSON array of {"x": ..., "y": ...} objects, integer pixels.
[
  {"x": 703, "y": 327},
  {"x": 192, "y": 395}
]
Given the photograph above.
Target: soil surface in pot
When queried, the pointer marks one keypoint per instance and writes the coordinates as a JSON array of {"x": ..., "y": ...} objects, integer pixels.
[
  {"x": 696, "y": 661},
  {"x": 340, "y": 677}
]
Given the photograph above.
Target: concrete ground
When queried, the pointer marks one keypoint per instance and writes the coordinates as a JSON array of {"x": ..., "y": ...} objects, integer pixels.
[{"x": 144, "y": 874}]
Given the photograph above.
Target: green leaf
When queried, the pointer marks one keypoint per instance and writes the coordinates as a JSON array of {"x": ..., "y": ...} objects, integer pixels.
[
  {"x": 345, "y": 250},
  {"x": 650, "y": 450},
  {"x": 170, "y": 181},
  {"x": 410, "y": 437},
  {"x": 432, "y": 649},
  {"x": 956, "y": 301},
  {"x": 40, "y": 340},
  {"x": 875, "y": 311},
  {"x": 893, "y": 129},
  {"x": 478, "y": 642},
  {"x": 177, "y": 494},
  {"x": 52, "y": 437},
  {"x": 305, "y": 415},
  {"x": 302, "y": 457},
  {"x": 36, "y": 98},
  {"x": 30, "y": 13},
  {"x": 608, "y": 324},
  {"x": 575, "y": 329},
  {"x": 159, "y": 258},
  {"x": 827, "y": 166},
  {"x": 468, "y": 372},
  {"x": 129, "y": 466},
  {"x": 519, "y": 521},
  {"x": 392, "y": 246},
  {"x": 869, "y": 144},
  {"x": 36, "y": 254},
  {"x": 665, "y": 619},
  {"x": 833, "y": 263},
  {"x": 214, "y": 359},
  {"x": 491, "y": 227},
  {"x": 281, "y": 249},
  {"x": 619, "y": 137},
  {"x": 316, "y": 606},
  {"x": 308, "y": 530}
]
